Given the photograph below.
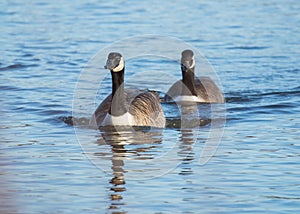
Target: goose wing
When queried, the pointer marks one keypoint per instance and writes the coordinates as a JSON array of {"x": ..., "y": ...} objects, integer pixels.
[
  {"x": 145, "y": 107},
  {"x": 207, "y": 89},
  {"x": 174, "y": 91},
  {"x": 101, "y": 112}
]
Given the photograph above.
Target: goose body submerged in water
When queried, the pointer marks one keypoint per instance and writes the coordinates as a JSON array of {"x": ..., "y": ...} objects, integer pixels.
[
  {"x": 191, "y": 88},
  {"x": 127, "y": 107}
]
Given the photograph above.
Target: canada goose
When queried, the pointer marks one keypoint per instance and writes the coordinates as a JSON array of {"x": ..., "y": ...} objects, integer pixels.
[
  {"x": 127, "y": 107},
  {"x": 194, "y": 89}
]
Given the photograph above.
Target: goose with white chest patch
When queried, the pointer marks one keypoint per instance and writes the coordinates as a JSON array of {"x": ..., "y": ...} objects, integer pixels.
[
  {"x": 127, "y": 107},
  {"x": 191, "y": 88}
]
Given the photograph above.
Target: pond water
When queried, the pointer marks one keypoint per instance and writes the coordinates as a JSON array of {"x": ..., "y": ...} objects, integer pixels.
[{"x": 49, "y": 166}]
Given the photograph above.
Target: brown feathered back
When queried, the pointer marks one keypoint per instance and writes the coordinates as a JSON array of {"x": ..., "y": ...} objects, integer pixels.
[
  {"x": 143, "y": 105},
  {"x": 205, "y": 87}
]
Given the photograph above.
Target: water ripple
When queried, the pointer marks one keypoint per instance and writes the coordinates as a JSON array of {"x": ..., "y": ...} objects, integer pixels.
[
  {"x": 248, "y": 47},
  {"x": 17, "y": 66},
  {"x": 44, "y": 45},
  {"x": 250, "y": 96}
]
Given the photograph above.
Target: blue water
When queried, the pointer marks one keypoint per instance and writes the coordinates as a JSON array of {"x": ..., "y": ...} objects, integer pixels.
[{"x": 48, "y": 166}]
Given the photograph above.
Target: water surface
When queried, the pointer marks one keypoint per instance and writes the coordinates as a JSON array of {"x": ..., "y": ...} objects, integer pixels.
[{"x": 254, "y": 48}]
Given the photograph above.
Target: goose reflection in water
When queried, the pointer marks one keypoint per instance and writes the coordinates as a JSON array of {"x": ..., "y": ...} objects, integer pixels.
[
  {"x": 127, "y": 145},
  {"x": 191, "y": 121},
  {"x": 136, "y": 153}
]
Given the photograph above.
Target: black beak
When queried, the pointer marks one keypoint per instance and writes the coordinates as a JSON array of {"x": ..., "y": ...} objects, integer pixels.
[{"x": 109, "y": 65}]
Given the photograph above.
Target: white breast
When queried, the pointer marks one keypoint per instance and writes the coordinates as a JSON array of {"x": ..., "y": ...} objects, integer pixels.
[
  {"x": 186, "y": 98},
  {"x": 123, "y": 120}
]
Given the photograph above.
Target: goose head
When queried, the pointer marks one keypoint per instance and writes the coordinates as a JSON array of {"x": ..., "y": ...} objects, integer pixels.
[
  {"x": 115, "y": 62},
  {"x": 187, "y": 61}
]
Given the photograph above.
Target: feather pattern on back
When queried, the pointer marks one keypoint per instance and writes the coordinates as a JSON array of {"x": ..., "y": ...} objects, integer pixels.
[
  {"x": 143, "y": 105},
  {"x": 205, "y": 87}
]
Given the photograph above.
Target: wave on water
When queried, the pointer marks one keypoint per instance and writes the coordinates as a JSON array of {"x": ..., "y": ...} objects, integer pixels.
[
  {"x": 249, "y": 96},
  {"x": 254, "y": 105},
  {"x": 248, "y": 47},
  {"x": 17, "y": 66}
]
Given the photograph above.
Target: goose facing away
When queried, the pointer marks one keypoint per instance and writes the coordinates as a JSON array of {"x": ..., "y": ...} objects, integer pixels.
[
  {"x": 191, "y": 88},
  {"x": 127, "y": 107}
]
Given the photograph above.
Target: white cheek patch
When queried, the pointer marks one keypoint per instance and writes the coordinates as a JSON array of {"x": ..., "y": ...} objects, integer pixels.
[
  {"x": 187, "y": 63},
  {"x": 193, "y": 64},
  {"x": 120, "y": 66}
]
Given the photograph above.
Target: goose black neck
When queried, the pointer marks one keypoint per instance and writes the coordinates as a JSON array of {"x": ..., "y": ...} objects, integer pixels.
[
  {"x": 118, "y": 106},
  {"x": 188, "y": 79},
  {"x": 117, "y": 81}
]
